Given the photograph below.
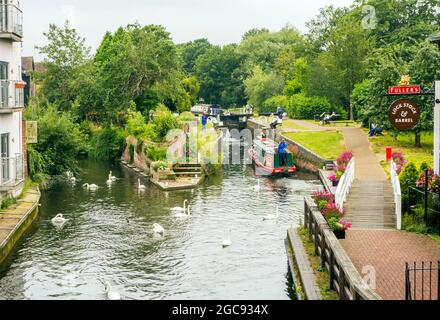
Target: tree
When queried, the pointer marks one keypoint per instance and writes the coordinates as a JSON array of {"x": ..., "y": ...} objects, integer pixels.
[
  {"x": 218, "y": 71},
  {"x": 190, "y": 52},
  {"x": 64, "y": 53},
  {"x": 262, "y": 86}
]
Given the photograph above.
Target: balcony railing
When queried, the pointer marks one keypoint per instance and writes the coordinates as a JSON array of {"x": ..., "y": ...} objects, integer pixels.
[
  {"x": 11, "y": 95},
  {"x": 11, "y": 171},
  {"x": 11, "y": 22}
]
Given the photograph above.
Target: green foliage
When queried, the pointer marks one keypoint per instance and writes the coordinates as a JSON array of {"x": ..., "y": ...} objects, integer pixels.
[
  {"x": 262, "y": 86},
  {"x": 60, "y": 140},
  {"x": 408, "y": 177},
  {"x": 164, "y": 121},
  {"x": 155, "y": 153},
  {"x": 302, "y": 107},
  {"x": 159, "y": 165},
  {"x": 191, "y": 51},
  {"x": 7, "y": 202},
  {"x": 186, "y": 117},
  {"x": 137, "y": 127},
  {"x": 271, "y": 104},
  {"x": 107, "y": 144}
]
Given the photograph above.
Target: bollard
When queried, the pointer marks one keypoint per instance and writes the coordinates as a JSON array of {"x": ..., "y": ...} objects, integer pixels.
[{"x": 389, "y": 152}]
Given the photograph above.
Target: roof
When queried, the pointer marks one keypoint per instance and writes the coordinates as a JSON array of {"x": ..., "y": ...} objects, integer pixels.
[{"x": 39, "y": 67}]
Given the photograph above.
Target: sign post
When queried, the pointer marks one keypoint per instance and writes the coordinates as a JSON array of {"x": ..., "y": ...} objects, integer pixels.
[{"x": 437, "y": 128}]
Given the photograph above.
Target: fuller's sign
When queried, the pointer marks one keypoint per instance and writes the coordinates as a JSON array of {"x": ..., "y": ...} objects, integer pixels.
[
  {"x": 404, "y": 90},
  {"x": 404, "y": 114}
]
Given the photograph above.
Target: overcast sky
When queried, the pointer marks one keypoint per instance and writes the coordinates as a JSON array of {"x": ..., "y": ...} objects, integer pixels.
[{"x": 221, "y": 21}]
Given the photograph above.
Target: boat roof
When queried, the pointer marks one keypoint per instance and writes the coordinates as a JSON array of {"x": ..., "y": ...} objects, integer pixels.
[{"x": 267, "y": 144}]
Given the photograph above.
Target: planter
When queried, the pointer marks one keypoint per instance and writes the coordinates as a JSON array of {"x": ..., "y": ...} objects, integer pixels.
[
  {"x": 335, "y": 183},
  {"x": 340, "y": 234}
]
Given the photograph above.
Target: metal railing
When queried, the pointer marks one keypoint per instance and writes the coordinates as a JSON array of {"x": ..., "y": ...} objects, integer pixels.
[
  {"x": 422, "y": 282},
  {"x": 345, "y": 184},
  {"x": 11, "y": 94},
  {"x": 11, "y": 170},
  {"x": 11, "y": 20},
  {"x": 397, "y": 194}
]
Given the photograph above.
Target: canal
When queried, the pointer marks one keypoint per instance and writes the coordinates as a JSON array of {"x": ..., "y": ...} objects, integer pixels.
[{"x": 109, "y": 238}]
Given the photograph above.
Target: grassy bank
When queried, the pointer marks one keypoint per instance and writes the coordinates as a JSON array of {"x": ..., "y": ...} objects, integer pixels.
[
  {"x": 326, "y": 144},
  {"x": 322, "y": 276},
  {"x": 404, "y": 143}
]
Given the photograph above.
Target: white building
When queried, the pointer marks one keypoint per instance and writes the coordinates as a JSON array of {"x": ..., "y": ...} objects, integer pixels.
[{"x": 11, "y": 99}]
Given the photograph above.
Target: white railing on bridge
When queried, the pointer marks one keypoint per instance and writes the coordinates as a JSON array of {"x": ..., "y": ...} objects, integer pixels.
[
  {"x": 11, "y": 170},
  {"x": 397, "y": 194},
  {"x": 345, "y": 184}
]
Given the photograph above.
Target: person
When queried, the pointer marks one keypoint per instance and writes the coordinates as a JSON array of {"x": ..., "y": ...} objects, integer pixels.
[
  {"x": 204, "y": 120},
  {"x": 282, "y": 152},
  {"x": 373, "y": 130}
]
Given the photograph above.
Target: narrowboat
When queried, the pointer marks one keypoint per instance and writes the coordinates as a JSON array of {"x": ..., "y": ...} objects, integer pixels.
[{"x": 264, "y": 153}]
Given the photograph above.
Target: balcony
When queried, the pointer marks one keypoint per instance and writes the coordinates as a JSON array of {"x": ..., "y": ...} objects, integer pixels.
[
  {"x": 11, "y": 172},
  {"x": 11, "y": 22},
  {"x": 11, "y": 96}
]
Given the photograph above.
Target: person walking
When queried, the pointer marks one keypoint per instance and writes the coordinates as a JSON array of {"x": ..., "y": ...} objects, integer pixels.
[{"x": 204, "y": 121}]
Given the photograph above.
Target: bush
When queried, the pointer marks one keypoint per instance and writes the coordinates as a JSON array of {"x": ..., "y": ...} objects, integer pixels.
[
  {"x": 164, "y": 121},
  {"x": 107, "y": 144},
  {"x": 302, "y": 107},
  {"x": 60, "y": 141},
  {"x": 186, "y": 117},
  {"x": 271, "y": 105},
  {"x": 159, "y": 165},
  {"x": 138, "y": 128},
  {"x": 156, "y": 154}
]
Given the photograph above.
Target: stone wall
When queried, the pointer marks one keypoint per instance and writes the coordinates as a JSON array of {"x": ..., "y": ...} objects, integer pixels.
[{"x": 140, "y": 160}]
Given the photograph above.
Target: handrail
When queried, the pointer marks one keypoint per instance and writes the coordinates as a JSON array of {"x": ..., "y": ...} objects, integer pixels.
[
  {"x": 397, "y": 194},
  {"x": 345, "y": 184},
  {"x": 14, "y": 19},
  {"x": 345, "y": 279}
]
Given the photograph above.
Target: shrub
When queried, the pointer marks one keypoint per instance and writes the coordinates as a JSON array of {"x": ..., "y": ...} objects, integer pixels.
[
  {"x": 107, "y": 144},
  {"x": 164, "y": 121},
  {"x": 159, "y": 165},
  {"x": 271, "y": 104},
  {"x": 186, "y": 117},
  {"x": 138, "y": 128},
  {"x": 302, "y": 107},
  {"x": 156, "y": 154},
  {"x": 7, "y": 202}
]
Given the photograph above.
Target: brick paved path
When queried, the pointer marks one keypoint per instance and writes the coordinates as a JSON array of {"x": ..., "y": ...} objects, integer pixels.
[
  {"x": 387, "y": 252},
  {"x": 370, "y": 208}
]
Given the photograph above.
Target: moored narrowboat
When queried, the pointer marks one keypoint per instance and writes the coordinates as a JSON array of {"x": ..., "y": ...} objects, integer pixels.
[{"x": 264, "y": 153}]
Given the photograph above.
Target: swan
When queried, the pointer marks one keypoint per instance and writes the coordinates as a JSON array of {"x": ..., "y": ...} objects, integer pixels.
[
  {"x": 109, "y": 181},
  {"x": 91, "y": 187},
  {"x": 179, "y": 209},
  {"x": 183, "y": 214},
  {"x": 111, "y": 295},
  {"x": 273, "y": 216},
  {"x": 227, "y": 242},
  {"x": 72, "y": 179},
  {"x": 59, "y": 220},
  {"x": 157, "y": 228},
  {"x": 141, "y": 187},
  {"x": 258, "y": 186},
  {"x": 112, "y": 177}
]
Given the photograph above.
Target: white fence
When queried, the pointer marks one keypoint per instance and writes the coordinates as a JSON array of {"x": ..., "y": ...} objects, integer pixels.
[
  {"x": 397, "y": 194},
  {"x": 345, "y": 184}
]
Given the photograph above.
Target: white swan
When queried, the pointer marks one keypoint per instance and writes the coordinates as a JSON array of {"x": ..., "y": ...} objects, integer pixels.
[
  {"x": 258, "y": 186},
  {"x": 227, "y": 242},
  {"x": 157, "y": 228},
  {"x": 141, "y": 187},
  {"x": 91, "y": 187},
  {"x": 112, "y": 177},
  {"x": 273, "y": 216},
  {"x": 111, "y": 295},
  {"x": 179, "y": 209},
  {"x": 59, "y": 220},
  {"x": 183, "y": 214}
]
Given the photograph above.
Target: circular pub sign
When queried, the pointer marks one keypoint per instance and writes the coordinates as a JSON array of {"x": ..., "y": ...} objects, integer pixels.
[{"x": 404, "y": 114}]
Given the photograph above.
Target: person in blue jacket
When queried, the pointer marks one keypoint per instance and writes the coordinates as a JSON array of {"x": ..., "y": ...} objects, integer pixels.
[
  {"x": 282, "y": 152},
  {"x": 204, "y": 121}
]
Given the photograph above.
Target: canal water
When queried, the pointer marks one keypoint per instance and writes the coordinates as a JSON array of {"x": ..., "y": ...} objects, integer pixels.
[{"x": 109, "y": 237}]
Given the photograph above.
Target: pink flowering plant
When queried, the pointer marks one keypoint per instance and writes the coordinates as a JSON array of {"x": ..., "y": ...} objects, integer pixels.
[
  {"x": 433, "y": 181},
  {"x": 399, "y": 160},
  {"x": 332, "y": 214},
  {"x": 339, "y": 225},
  {"x": 341, "y": 165}
]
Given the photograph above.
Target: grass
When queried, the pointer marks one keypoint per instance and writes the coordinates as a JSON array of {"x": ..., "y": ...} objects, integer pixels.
[
  {"x": 404, "y": 143},
  {"x": 337, "y": 124},
  {"x": 289, "y": 124},
  {"x": 322, "y": 277},
  {"x": 326, "y": 144}
]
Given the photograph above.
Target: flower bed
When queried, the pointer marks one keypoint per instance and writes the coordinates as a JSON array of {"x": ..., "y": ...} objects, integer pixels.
[
  {"x": 340, "y": 167},
  {"x": 332, "y": 214}
]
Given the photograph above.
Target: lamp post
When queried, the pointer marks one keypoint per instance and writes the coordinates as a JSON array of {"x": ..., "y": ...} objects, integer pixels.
[{"x": 436, "y": 39}]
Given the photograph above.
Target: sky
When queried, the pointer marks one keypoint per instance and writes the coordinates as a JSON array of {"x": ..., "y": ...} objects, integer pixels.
[{"x": 220, "y": 21}]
